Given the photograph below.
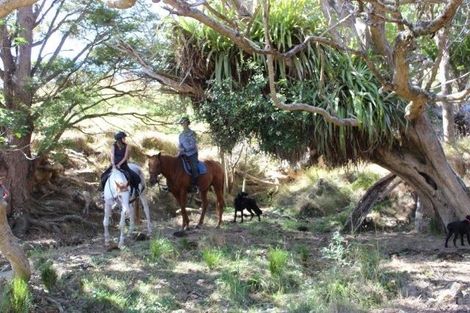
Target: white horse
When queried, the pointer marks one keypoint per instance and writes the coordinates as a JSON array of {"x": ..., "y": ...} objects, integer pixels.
[{"x": 117, "y": 190}]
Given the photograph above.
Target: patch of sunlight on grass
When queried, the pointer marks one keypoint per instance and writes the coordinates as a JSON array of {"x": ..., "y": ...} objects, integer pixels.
[{"x": 185, "y": 267}]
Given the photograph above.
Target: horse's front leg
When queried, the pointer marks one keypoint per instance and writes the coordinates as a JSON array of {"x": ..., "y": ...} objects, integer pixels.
[
  {"x": 122, "y": 227},
  {"x": 107, "y": 215},
  {"x": 182, "y": 202},
  {"x": 204, "y": 208},
  {"x": 131, "y": 214},
  {"x": 145, "y": 204}
]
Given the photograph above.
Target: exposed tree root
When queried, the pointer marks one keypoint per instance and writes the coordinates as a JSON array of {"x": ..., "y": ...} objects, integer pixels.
[{"x": 378, "y": 190}]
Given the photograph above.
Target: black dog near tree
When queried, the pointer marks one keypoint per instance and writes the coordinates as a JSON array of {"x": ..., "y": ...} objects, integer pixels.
[
  {"x": 459, "y": 228},
  {"x": 243, "y": 201}
]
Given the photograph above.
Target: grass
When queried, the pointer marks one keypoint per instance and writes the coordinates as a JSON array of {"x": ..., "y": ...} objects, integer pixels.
[
  {"x": 212, "y": 257},
  {"x": 277, "y": 259},
  {"x": 17, "y": 297},
  {"x": 48, "y": 275},
  {"x": 161, "y": 249},
  {"x": 236, "y": 288}
]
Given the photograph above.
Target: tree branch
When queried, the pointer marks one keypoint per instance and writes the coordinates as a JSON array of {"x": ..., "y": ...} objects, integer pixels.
[
  {"x": 8, "y": 6},
  {"x": 164, "y": 79},
  {"x": 430, "y": 27}
]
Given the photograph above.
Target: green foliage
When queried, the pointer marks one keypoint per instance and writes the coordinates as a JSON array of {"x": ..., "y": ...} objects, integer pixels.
[
  {"x": 237, "y": 289},
  {"x": 303, "y": 253},
  {"x": 336, "y": 250},
  {"x": 212, "y": 257},
  {"x": 369, "y": 260},
  {"x": 161, "y": 249},
  {"x": 238, "y": 107},
  {"x": 364, "y": 180},
  {"x": 17, "y": 297},
  {"x": 48, "y": 275},
  {"x": 277, "y": 259},
  {"x": 237, "y": 111}
]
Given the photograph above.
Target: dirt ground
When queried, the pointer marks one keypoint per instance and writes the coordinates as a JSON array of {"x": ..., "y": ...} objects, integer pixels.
[{"x": 437, "y": 278}]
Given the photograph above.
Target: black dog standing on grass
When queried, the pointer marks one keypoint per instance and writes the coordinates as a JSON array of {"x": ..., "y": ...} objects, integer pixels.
[
  {"x": 243, "y": 201},
  {"x": 459, "y": 228}
]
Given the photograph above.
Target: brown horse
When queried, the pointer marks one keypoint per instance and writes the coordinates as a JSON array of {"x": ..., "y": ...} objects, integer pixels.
[{"x": 179, "y": 182}]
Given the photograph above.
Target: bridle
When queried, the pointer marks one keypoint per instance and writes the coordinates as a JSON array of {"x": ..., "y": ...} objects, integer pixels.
[{"x": 158, "y": 176}]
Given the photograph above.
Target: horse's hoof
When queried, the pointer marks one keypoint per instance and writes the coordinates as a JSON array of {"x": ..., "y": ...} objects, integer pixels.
[
  {"x": 180, "y": 233},
  {"x": 111, "y": 246},
  {"x": 140, "y": 237},
  {"x": 198, "y": 226}
]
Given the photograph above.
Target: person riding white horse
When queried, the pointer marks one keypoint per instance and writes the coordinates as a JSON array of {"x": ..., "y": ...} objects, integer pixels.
[{"x": 117, "y": 190}]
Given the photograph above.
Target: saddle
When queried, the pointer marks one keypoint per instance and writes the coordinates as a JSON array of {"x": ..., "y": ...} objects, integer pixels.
[
  {"x": 134, "y": 189},
  {"x": 201, "y": 166}
]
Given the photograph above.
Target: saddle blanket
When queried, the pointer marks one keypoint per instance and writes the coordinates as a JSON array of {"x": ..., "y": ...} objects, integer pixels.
[{"x": 201, "y": 167}]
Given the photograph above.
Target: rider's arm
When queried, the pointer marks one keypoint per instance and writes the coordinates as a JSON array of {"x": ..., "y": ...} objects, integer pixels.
[{"x": 112, "y": 156}]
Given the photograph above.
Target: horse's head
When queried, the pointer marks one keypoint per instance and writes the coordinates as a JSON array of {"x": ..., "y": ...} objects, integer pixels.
[
  {"x": 118, "y": 187},
  {"x": 155, "y": 168}
]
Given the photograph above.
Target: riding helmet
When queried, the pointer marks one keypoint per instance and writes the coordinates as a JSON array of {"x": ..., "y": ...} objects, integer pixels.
[
  {"x": 184, "y": 119},
  {"x": 119, "y": 135}
]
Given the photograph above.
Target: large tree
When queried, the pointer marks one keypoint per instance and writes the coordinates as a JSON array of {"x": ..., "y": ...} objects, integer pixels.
[
  {"x": 57, "y": 71},
  {"x": 388, "y": 37}
]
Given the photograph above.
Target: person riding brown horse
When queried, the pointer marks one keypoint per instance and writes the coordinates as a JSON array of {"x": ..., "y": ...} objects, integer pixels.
[
  {"x": 179, "y": 181},
  {"x": 187, "y": 149}
]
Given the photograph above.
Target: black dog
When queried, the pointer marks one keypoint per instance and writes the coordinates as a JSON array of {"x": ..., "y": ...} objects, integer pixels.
[
  {"x": 241, "y": 202},
  {"x": 459, "y": 228}
]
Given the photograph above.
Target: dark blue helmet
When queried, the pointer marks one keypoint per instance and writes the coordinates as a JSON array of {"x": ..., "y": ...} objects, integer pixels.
[
  {"x": 184, "y": 119},
  {"x": 119, "y": 135}
]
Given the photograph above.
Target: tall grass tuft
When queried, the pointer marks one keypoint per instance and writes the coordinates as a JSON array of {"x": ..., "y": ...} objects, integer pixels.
[
  {"x": 277, "y": 259},
  {"x": 17, "y": 297},
  {"x": 212, "y": 257},
  {"x": 238, "y": 290},
  {"x": 160, "y": 249},
  {"x": 48, "y": 275},
  {"x": 369, "y": 261}
]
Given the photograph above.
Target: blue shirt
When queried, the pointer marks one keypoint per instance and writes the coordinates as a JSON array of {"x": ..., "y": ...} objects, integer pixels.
[{"x": 187, "y": 142}]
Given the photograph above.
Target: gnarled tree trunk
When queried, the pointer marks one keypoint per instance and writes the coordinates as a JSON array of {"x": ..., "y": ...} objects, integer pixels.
[
  {"x": 18, "y": 95},
  {"x": 10, "y": 248},
  {"x": 420, "y": 161}
]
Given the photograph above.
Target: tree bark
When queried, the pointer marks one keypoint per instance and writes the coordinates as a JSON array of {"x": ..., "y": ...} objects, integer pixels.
[
  {"x": 10, "y": 247},
  {"x": 420, "y": 161},
  {"x": 376, "y": 191},
  {"x": 8, "y": 6},
  {"x": 446, "y": 89},
  {"x": 18, "y": 96}
]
